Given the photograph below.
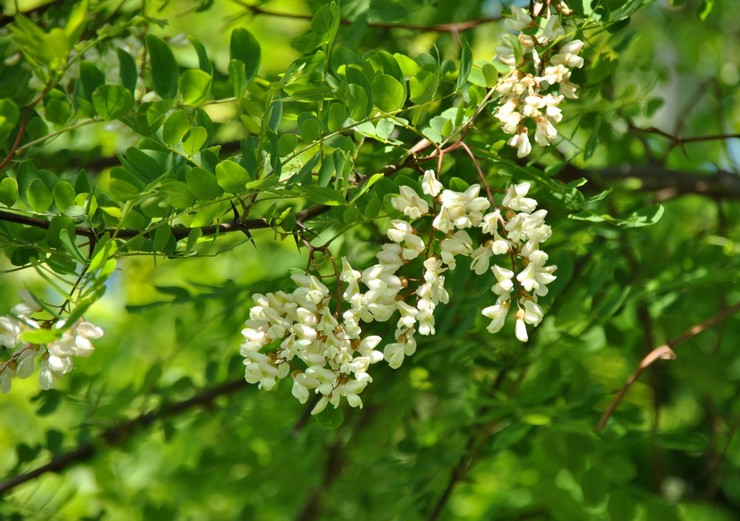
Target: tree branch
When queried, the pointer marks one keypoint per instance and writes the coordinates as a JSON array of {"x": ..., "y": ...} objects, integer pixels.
[
  {"x": 450, "y": 27},
  {"x": 663, "y": 352},
  {"x": 656, "y": 178},
  {"x": 181, "y": 232},
  {"x": 678, "y": 140},
  {"x": 120, "y": 433}
]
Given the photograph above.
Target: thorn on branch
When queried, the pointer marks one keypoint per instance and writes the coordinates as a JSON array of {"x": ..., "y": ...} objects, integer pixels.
[{"x": 663, "y": 352}]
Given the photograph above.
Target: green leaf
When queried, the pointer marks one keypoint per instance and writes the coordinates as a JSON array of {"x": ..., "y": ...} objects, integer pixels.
[
  {"x": 112, "y": 101},
  {"x": 76, "y": 21},
  {"x": 388, "y": 93},
  {"x": 326, "y": 19},
  {"x": 644, "y": 217},
  {"x": 326, "y": 171},
  {"x": 237, "y": 77},
  {"x": 177, "y": 194},
  {"x": 175, "y": 127},
  {"x": 203, "y": 184},
  {"x": 39, "y": 196},
  {"x": 56, "y": 225},
  {"x": 358, "y": 102},
  {"x": 323, "y": 195},
  {"x": 67, "y": 240},
  {"x": 204, "y": 63},
  {"x": 337, "y": 116},
  {"x": 231, "y": 177},
  {"x": 309, "y": 127},
  {"x": 64, "y": 195},
  {"x": 423, "y": 86},
  {"x": 287, "y": 144},
  {"x": 245, "y": 47},
  {"x": 195, "y": 87},
  {"x": 466, "y": 61},
  {"x": 307, "y": 43},
  {"x": 163, "y": 66},
  {"x": 194, "y": 141},
  {"x": 384, "y": 128},
  {"x": 124, "y": 184},
  {"x": 57, "y": 108},
  {"x": 705, "y": 9},
  {"x": 90, "y": 79},
  {"x": 9, "y": 115},
  {"x": 127, "y": 70},
  {"x": 104, "y": 250},
  {"x": 356, "y": 76},
  {"x": 41, "y": 336},
  {"x": 490, "y": 73},
  {"x": 8, "y": 191},
  {"x": 162, "y": 237}
]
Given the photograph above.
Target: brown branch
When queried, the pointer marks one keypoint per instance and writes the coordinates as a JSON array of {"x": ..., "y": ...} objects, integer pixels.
[
  {"x": 450, "y": 27},
  {"x": 181, "y": 232},
  {"x": 656, "y": 178},
  {"x": 120, "y": 433},
  {"x": 663, "y": 352},
  {"x": 18, "y": 137},
  {"x": 678, "y": 140}
]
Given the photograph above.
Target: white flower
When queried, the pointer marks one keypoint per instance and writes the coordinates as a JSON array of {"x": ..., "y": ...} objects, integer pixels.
[
  {"x": 10, "y": 329},
  {"x": 545, "y": 132},
  {"x": 497, "y": 314},
  {"x": 390, "y": 255},
  {"x": 408, "y": 315},
  {"x": 409, "y": 202},
  {"x": 399, "y": 230},
  {"x": 520, "y": 19},
  {"x": 521, "y": 143},
  {"x": 504, "y": 278},
  {"x": 430, "y": 185},
  {"x": 459, "y": 244},
  {"x": 509, "y": 117},
  {"x": 535, "y": 278},
  {"x": 552, "y": 110},
  {"x": 520, "y": 329},
  {"x": 568, "y": 55},
  {"x": 516, "y": 200},
  {"x": 532, "y": 313},
  {"x": 394, "y": 354},
  {"x": 489, "y": 223},
  {"x": 568, "y": 89},
  {"x": 480, "y": 259},
  {"x": 46, "y": 376},
  {"x": 27, "y": 306},
  {"x": 6, "y": 377}
]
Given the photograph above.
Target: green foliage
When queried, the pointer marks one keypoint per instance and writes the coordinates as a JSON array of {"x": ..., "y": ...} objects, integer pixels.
[{"x": 155, "y": 186}]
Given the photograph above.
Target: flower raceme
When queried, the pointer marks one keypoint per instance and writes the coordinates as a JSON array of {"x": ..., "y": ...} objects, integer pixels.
[
  {"x": 321, "y": 343},
  {"x": 540, "y": 57},
  {"x": 55, "y": 357}
]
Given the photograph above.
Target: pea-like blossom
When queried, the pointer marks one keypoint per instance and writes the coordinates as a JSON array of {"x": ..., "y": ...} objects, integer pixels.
[
  {"x": 539, "y": 73},
  {"x": 317, "y": 335}
]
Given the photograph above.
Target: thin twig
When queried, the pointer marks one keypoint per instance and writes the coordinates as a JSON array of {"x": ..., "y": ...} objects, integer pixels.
[
  {"x": 120, "y": 433},
  {"x": 678, "y": 140},
  {"x": 663, "y": 352}
]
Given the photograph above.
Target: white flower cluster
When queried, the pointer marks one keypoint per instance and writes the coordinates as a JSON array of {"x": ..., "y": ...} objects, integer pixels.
[
  {"x": 540, "y": 62},
  {"x": 334, "y": 356},
  {"x": 56, "y": 356}
]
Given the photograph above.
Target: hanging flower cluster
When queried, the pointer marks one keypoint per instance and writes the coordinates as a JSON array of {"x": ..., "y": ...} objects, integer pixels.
[
  {"x": 540, "y": 59},
  {"x": 321, "y": 342},
  {"x": 55, "y": 357}
]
